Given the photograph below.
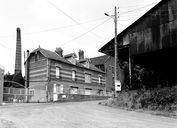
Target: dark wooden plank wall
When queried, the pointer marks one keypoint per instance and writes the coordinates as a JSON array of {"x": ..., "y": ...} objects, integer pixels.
[{"x": 154, "y": 31}]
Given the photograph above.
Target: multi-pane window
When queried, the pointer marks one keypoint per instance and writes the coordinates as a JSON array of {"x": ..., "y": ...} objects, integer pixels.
[
  {"x": 57, "y": 89},
  {"x": 73, "y": 75},
  {"x": 88, "y": 91},
  {"x": 57, "y": 72},
  {"x": 73, "y": 90},
  {"x": 87, "y": 78}
]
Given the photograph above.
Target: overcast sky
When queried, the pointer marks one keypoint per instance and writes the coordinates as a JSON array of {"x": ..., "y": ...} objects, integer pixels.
[{"x": 69, "y": 24}]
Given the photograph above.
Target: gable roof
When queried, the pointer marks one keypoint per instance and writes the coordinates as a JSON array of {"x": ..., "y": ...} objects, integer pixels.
[
  {"x": 99, "y": 60},
  {"x": 111, "y": 42},
  {"x": 69, "y": 55},
  {"x": 51, "y": 55},
  {"x": 84, "y": 60},
  {"x": 92, "y": 67},
  {"x": 55, "y": 56}
]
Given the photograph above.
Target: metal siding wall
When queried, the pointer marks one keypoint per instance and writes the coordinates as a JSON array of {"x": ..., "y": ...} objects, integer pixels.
[{"x": 156, "y": 31}]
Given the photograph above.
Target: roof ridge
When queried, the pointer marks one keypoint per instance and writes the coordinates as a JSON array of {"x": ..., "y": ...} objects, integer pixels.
[{"x": 53, "y": 55}]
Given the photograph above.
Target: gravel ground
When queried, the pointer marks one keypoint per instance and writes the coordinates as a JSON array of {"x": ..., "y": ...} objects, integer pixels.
[{"x": 77, "y": 115}]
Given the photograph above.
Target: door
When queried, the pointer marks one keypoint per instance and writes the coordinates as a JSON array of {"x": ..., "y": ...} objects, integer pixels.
[{"x": 55, "y": 95}]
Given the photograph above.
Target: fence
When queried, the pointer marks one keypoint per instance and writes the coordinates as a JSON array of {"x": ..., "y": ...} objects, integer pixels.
[
  {"x": 18, "y": 95},
  {"x": 14, "y": 94}
]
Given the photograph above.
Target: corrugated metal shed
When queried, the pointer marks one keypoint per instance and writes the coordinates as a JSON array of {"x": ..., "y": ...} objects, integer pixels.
[{"x": 152, "y": 39}]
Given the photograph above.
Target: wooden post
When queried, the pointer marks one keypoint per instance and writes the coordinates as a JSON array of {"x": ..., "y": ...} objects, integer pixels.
[{"x": 115, "y": 49}]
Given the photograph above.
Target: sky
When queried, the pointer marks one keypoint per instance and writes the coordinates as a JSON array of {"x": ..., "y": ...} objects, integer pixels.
[{"x": 68, "y": 24}]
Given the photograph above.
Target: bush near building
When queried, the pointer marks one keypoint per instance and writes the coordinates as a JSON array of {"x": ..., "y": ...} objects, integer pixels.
[{"x": 164, "y": 99}]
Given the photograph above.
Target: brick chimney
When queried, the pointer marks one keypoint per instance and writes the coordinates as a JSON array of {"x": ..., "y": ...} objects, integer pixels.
[
  {"x": 81, "y": 54},
  {"x": 18, "y": 65},
  {"x": 59, "y": 51}
]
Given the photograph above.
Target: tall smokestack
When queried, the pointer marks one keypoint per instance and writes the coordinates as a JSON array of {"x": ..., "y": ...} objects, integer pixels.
[{"x": 18, "y": 64}]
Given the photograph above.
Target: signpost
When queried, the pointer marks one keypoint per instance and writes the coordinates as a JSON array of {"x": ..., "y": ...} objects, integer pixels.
[{"x": 117, "y": 85}]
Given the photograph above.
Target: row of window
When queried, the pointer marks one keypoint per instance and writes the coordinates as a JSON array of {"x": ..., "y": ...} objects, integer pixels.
[
  {"x": 59, "y": 89},
  {"x": 73, "y": 90},
  {"x": 87, "y": 76}
]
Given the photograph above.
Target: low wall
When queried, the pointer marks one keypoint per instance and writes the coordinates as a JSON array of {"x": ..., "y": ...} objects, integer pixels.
[{"x": 77, "y": 97}]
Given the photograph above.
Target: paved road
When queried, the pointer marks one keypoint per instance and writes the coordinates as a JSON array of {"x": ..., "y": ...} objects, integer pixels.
[{"x": 77, "y": 115}]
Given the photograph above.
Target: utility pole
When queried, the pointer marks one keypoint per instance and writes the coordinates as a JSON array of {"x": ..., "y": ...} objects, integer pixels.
[
  {"x": 130, "y": 69},
  {"x": 115, "y": 47},
  {"x": 115, "y": 50}
]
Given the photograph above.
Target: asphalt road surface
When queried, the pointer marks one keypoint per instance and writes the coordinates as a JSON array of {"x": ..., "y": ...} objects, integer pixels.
[{"x": 77, "y": 115}]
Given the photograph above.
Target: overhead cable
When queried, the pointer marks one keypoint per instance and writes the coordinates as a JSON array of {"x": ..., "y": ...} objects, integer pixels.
[
  {"x": 85, "y": 33},
  {"x": 70, "y": 17}
]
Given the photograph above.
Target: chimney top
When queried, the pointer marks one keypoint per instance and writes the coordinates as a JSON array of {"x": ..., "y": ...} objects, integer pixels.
[
  {"x": 18, "y": 29},
  {"x": 81, "y": 54},
  {"x": 59, "y": 51}
]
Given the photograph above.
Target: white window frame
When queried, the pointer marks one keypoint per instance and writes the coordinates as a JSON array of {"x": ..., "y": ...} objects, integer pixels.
[
  {"x": 99, "y": 80},
  {"x": 73, "y": 75},
  {"x": 57, "y": 72}
]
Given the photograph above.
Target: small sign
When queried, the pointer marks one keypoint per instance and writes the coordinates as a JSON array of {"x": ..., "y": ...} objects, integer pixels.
[
  {"x": 63, "y": 96},
  {"x": 117, "y": 85}
]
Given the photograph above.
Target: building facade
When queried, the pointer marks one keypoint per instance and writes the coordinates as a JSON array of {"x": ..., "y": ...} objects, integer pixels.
[
  {"x": 106, "y": 64},
  {"x": 49, "y": 74},
  {"x": 150, "y": 42}
]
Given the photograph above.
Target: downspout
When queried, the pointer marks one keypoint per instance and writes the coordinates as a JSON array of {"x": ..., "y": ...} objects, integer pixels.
[
  {"x": 48, "y": 80},
  {"x": 27, "y": 77}
]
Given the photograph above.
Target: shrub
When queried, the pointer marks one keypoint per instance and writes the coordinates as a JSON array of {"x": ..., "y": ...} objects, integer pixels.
[{"x": 159, "y": 99}]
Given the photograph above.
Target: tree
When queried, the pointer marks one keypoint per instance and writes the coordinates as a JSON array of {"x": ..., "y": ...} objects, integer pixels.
[
  {"x": 14, "y": 77},
  {"x": 19, "y": 79},
  {"x": 8, "y": 77},
  {"x": 142, "y": 78}
]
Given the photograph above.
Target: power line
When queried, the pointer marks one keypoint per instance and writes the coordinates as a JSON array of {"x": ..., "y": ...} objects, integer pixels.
[
  {"x": 136, "y": 9},
  {"x": 84, "y": 33},
  {"x": 127, "y": 19},
  {"x": 70, "y": 17},
  {"x": 136, "y": 5},
  {"x": 63, "y": 12},
  {"x": 57, "y": 28},
  {"x": 63, "y": 27}
]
